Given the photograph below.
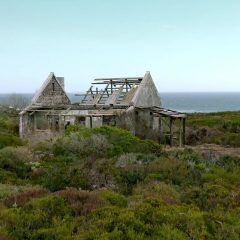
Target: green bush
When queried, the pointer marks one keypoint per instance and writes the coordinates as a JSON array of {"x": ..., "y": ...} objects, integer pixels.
[
  {"x": 8, "y": 177},
  {"x": 232, "y": 126},
  {"x": 95, "y": 145},
  {"x": 60, "y": 172},
  {"x": 119, "y": 141},
  {"x": 145, "y": 221},
  {"x": 169, "y": 170},
  {"x": 133, "y": 189},
  {"x": 10, "y": 190},
  {"x": 155, "y": 189},
  {"x": 8, "y": 126},
  {"x": 115, "y": 198},
  {"x": 220, "y": 128},
  {"x": 129, "y": 176},
  {"x": 221, "y": 176},
  {"x": 16, "y": 160},
  {"x": 226, "y": 139},
  {"x": 82, "y": 202},
  {"x": 223, "y": 224},
  {"x": 211, "y": 196},
  {"x": 38, "y": 214},
  {"x": 10, "y": 140}
]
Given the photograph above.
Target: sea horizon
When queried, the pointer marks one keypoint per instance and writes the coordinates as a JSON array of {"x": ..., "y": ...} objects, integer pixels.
[{"x": 187, "y": 102}]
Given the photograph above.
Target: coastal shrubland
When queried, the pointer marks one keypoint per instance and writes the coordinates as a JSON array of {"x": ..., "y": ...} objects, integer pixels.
[
  {"x": 217, "y": 128},
  {"x": 105, "y": 183},
  {"x": 9, "y": 128}
]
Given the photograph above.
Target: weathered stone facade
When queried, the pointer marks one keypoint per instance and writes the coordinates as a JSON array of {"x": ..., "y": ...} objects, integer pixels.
[
  {"x": 52, "y": 92},
  {"x": 130, "y": 103}
]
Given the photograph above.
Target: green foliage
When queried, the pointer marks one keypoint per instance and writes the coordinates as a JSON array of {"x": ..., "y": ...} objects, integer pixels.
[
  {"x": 9, "y": 190},
  {"x": 214, "y": 119},
  {"x": 225, "y": 139},
  {"x": 156, "y": 189},
  {"x": 8, "y": 125},
  {"x": 10, "y": 140},
  {"x": 15, "y": 160},
  {"x": 95, "y": 145},
  {"x": 105, "y": 183},
  {"x": 60, "y": 173},
  {"x": 9, "y": 128},
  {"x": 34, "y": 217},
  {"x": 114, "y": 198},
  {"x": 169, "y": 170},
  {"x": 219, "y": 128},
  {"x": 211, "y": 196},
  {"x": 223, "y": 225},
  {"x": 82, "y": 202},
  {"x": 119, "y": 141},
  {"x": 8, "y": 177},
  {"x": 129, "y": 176},
  {"x": 146, "y": 221}
]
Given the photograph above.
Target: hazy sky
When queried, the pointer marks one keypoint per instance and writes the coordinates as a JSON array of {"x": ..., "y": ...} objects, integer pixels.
[{"x": 188, "y": 45}]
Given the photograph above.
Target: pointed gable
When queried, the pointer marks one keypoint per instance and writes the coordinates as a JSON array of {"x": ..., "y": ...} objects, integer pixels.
[
  {"x": 147, "y": 94},
  {"x": 51, "y": 93}
]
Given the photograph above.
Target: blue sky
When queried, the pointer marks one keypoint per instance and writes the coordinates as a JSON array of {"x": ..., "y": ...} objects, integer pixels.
[{"x": 187, "y": 45}]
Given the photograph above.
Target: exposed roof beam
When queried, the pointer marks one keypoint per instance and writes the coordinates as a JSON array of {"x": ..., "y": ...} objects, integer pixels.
[{"x": 126, "y": 78}]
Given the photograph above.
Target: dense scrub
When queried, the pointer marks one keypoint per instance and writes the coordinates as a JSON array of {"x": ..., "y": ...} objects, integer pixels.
[
  {"x": 104, "y": 183},
  {"x": 9, "y": 128},
  {"x": 218, "y": 128}
]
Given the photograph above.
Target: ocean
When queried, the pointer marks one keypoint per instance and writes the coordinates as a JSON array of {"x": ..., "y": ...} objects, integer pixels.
[
  {"x": 183, "y": 102},
  {"x": 201, "y": 102}
]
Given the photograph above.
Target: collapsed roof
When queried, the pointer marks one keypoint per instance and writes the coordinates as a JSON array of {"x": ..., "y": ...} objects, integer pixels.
[
  {"x": 129, "y": 91},
  {"x": 107, "y": 92}
]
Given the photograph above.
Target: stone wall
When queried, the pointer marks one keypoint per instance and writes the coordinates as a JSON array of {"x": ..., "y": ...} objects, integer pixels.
[{"x": 53, "y": 94}]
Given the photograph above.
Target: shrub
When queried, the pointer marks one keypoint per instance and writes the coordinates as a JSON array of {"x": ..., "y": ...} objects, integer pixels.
[
  {"x": 114, "y": 198},
  {"x": 211, "y": 196},
  {"x": 21, "y": 199},
  {"x": 232, "y": 126},
  {"x": 82, "y": 202},
  {"x": 223, "y": 224},
  {"x": 8, "y": 125},
  {"x": 95, "y": 145},
  {"x": 155, "y": 189},
  {"x": 129, "y": 176},
  {"x": 225, "y": 139},
  {"x": 3, "y": 236},
  {"x": 119, "y": 141},
  {"x": 60, "y": 173},
  {"x": 16, "y": 160},
  {"x": 134, "y": 158},
  {"x": 228, "y": 162},
  {"x": 145, "y": 221},
  {"x": 186, "y": 219},
  {"x": 9, "y": 190},
  {"x": 169, "y": 170},
  {"x": 8, "y": 177},
  {"x": 23, "y": 223},
  {"x": 221, "y": 176},
  {"x": 10, "y": 140}
]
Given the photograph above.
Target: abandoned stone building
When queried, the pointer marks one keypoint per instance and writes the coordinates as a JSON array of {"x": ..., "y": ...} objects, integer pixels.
[{"x": 132, "y": 103}]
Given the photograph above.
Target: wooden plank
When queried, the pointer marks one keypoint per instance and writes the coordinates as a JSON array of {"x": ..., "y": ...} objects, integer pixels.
[{"x": 121, "y": 78}]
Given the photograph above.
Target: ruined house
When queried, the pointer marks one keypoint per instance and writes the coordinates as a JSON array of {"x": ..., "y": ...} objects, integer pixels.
[{"x": 131, "y": 103}]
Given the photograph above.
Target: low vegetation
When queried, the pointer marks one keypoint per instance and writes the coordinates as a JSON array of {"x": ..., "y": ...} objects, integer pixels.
[
  {"x": 9, "y": 127},
  {"x": 104, "y": 183},
  {"x": 218, "y": 128}
]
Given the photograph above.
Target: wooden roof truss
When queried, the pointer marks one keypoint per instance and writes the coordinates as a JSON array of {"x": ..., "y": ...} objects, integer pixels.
[{"x": 102, "y": 88}]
